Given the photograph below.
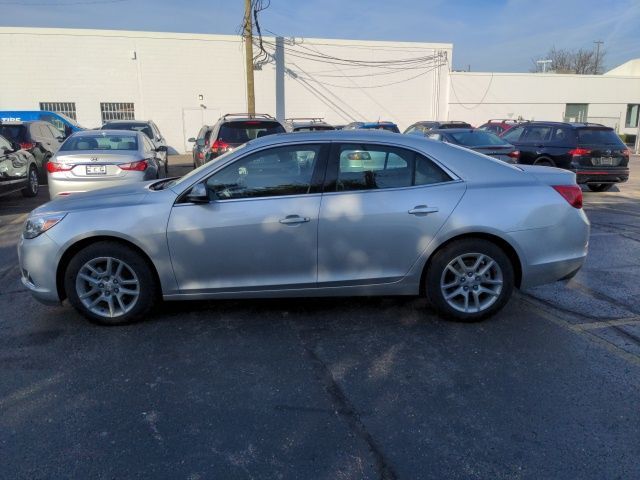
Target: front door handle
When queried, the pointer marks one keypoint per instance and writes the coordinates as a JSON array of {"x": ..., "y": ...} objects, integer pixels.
[
  {"x": 294, "y": 220},
  {"x": 422, "y": 210}
]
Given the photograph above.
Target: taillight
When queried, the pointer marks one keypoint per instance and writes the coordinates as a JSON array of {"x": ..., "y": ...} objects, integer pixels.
[
  {"x": 219, "y": 146},
  {"x": 27, "y": 145},
  {"x": 140, "y": 166},
  {"x": 626, "y": 152},
  {"x": 53, "y": 167},
  {"x": 579, "y": 152},
  {"x": 515, "y": 154},
  {"x": 200, "y": 155},
  {"x": 571, "y": 193}
]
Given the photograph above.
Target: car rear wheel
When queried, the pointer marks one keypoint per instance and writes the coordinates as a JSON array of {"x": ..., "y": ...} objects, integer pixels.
[
  {"x": 544, "y": 162},
  {"x": 33, "y": 184},
  {"x": 110, "y": 284},
  {"x": 599, "y": 187},
  {"x": 469, "y": 280}
]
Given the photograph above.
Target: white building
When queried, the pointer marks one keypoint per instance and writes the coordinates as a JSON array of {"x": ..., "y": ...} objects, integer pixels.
[{"x": 184, "y": 80}]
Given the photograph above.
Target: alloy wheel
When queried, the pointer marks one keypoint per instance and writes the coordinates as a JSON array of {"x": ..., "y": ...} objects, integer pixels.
[
  {"x": 108, "y": 287},
  {"x": 471, "y": 282}
]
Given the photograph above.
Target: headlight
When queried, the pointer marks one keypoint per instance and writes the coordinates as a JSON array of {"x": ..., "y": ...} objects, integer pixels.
[{"x": 38, "y": 224}]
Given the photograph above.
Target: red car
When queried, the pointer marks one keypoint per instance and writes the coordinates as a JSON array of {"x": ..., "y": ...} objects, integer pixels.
[{"x": 498, "y": 126}]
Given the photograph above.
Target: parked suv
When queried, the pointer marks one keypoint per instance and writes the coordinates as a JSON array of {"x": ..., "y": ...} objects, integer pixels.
[
  {"x": 594, "y": 152},
  {"x": 234, "y": 129},
  {"x": 304, "y": 124},
  {"x": 40, "y": 139},
  {"x": 421, "y": 128},
  {"x": 150, "y": 129}
]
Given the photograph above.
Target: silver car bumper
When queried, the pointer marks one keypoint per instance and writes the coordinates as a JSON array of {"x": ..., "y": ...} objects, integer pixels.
[
  {"x": 38, "y": 264},
  {"x": 554, "y": 253},
  {"x": 65, "y": 186}
]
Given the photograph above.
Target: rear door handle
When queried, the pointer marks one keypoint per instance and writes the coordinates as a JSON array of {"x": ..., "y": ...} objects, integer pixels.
[
  {"x": 422, "y": 210},
  {"x": 294, "y": 220}
]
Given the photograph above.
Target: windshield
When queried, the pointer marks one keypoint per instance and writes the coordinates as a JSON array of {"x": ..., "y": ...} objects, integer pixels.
[
  {"x": 242, "y": 132},
  {"x": 383, "y": 126},
  {"x": 477, "y": 138},
  {"x": 591, "y": 136},
  {"x": 136, "y": 127},
  {"x": 101, "y": 141}
]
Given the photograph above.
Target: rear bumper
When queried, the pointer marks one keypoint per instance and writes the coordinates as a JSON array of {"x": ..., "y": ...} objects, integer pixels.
[
  {"x": 66, "y": 186},
  {"x": 602, "y": 175}
]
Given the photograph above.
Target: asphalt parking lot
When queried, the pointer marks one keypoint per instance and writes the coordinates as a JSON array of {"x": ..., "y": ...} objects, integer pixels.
[{"x": 332, "y": 389}]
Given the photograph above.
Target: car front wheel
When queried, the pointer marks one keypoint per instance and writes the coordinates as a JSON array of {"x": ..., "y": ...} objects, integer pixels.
[
  {"x": 110, "y": 284},
  {"x": 469, "y": 280}
]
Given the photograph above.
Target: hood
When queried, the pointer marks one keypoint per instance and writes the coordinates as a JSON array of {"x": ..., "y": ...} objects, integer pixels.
[{"x": 122, "y": 195}]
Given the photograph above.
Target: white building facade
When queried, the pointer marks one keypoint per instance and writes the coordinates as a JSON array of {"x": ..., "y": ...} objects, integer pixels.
[{"x": 183, "y": 81}]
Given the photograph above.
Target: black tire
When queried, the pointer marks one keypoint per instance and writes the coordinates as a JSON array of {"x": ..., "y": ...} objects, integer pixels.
[
  {"x": 599, "y": 187},
  {"x": 437, "y": 272},
  {"x": 33, "y": 183},
  {"x": 544, "y": 162},
  {"x": 42, "y": 174},
  {"x": 147, "y": 285}
]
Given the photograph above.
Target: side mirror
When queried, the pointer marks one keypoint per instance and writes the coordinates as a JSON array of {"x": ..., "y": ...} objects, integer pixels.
[
  {"x": 198, "y": 194},
  {"x": 161, "y": 148},
  {"x": 192, "y": 140}
]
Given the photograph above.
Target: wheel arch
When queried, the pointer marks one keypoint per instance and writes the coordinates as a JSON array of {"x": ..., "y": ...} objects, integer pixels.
[
  {"x": 85, "y": 242},
  {"x": 508, "y": 249},
  {"x": 545, "y": 158}
]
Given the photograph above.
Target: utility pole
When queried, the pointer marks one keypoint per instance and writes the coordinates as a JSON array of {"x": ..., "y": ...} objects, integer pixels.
[
  {"x": 248, "y": 52},
  {"x": 597, "y": 65}
]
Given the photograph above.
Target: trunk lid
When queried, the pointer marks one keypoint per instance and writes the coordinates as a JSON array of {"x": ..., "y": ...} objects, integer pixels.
[
  {"x": 549, "y": 175},
  {"x": 96, "y": 164}
]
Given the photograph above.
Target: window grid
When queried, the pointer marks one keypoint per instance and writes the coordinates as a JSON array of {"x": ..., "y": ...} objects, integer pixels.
[
  {"x": 66, "y": 108},
  {"x": 116, "y": 111}
]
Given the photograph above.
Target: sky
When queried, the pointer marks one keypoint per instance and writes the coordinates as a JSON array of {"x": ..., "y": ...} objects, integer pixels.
[{"x": 487, "y": 35}]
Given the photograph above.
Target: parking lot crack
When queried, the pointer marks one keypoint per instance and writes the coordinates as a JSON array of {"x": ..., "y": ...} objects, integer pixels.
[{"x": 341, "y": 404}]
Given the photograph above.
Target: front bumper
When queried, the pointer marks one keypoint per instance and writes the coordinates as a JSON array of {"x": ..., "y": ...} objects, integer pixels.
[
  {"x": 601, "y": 175},
  {"x": 38, "y": 265}
]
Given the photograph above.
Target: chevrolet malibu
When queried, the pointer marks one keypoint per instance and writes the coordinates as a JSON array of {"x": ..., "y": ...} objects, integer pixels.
[{"x": 335, "y": 213}]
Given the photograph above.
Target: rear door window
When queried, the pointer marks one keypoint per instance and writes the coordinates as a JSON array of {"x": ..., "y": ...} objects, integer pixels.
[
  {"x": 374, "y": 167},
  {"x": 537, "y": 134},
  {"x": 562, "y": 136},
  {"x": 242, "y": 132}
]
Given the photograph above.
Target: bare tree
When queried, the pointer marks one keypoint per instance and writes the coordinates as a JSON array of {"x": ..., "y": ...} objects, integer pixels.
[{"x": 580, "y": 61}]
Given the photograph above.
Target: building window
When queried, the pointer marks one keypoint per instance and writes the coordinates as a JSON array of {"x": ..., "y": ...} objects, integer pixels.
[
  {"x": 116, "y": 111},
  {"x": 632, "y": 116},
  {"x": 66, "y": 108},
  {"x": 576, "y": 112}
]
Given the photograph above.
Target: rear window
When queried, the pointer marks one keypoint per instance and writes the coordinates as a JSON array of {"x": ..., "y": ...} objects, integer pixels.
[
  {"x": 384, "y": 126},
  {"x": 477, "y": 138},
  {"x": 591, "y": 136},
  {"x": 136, "y": 127},
  {"x": 15, "y": 133},
  {"x": 455, "y": 125},
  {"x": 242, "y": 132},
  {"x": 315, "y": 128},
  {"x": 100, "y": 142}
]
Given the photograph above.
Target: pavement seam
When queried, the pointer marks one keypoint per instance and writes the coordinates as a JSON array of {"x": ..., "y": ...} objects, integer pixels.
[
  {"x": 607, "y": 323},
  {"x": 544, "y": 312},
  {"x": 343, "y": 407}
]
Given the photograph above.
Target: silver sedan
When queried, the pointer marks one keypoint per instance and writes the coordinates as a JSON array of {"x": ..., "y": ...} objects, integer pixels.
[
  {"x": 324, "y": 214},
  {"x": 94, "y": 159}
]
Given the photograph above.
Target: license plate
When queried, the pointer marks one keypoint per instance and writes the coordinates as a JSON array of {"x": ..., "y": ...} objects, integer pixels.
[
  {"x": 606, "y": 161},
  {"x": 96, "y": 169}
]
